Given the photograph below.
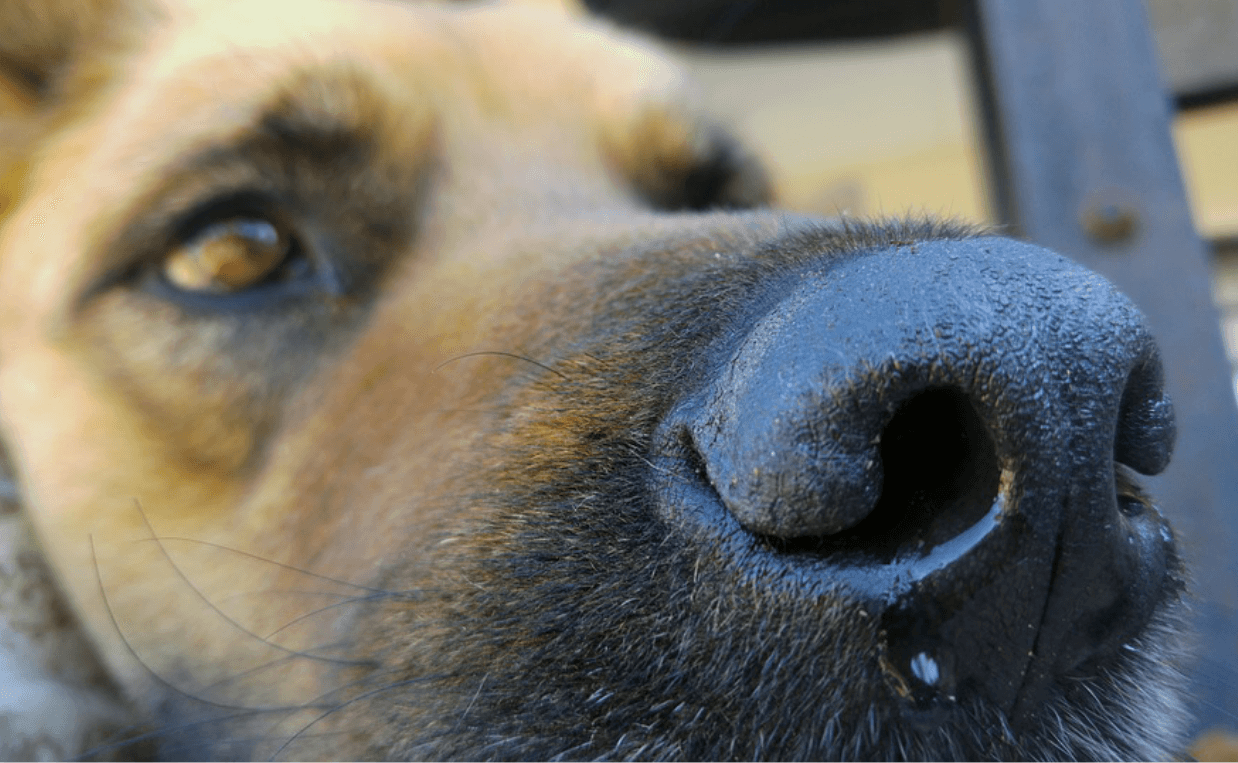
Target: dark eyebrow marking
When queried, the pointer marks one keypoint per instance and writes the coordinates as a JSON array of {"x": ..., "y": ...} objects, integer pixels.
[
  {"x": 328, "y": 113},
  {"x": 323, "y": 118}
]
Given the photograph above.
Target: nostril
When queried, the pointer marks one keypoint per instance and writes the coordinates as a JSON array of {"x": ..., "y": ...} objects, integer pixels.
[
  {"x": 941, "y": 470},
  {"x": 1145, "y": 430},
  {"x": 940, "y": 477}
]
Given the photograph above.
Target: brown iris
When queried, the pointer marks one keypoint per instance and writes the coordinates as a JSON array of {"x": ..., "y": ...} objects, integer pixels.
[{"x": 228, "y": 256}]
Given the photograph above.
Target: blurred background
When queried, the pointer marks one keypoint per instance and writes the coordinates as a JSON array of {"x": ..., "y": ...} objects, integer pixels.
[{"x": 869, "y": 107}]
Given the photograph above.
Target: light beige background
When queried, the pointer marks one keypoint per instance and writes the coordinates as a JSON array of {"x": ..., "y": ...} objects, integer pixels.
[{"x": 891, "y": 127}]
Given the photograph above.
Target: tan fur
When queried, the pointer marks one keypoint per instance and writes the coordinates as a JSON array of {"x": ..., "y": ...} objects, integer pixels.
[{"x": 151, "y": 434}]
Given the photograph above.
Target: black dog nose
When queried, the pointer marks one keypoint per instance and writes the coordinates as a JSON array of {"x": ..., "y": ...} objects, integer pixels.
[
  {"x": 932, "y": 365},
  {"x": 945, "y": 428}
]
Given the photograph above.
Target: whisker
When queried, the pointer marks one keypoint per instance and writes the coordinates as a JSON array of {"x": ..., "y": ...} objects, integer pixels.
[
  {"x": 347, "y": 703},
  {"x": 272, "y": 663},
  {"x": 223, "y": 615},
  {"x": 327, "y": 608},
  {"x": 256, "y": 557},
  {"x": 245, "y": 743},
  {"x": 107, "y": 604},
  {"x": 120, "y": 744},
  {"x": 500, "y": 354},
  {"x": 472, "y": 702},
  {"x": 289, "y": 592}
]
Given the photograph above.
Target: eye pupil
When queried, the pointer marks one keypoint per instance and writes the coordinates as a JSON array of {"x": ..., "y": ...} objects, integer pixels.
[{"x": 227, "y": 256}]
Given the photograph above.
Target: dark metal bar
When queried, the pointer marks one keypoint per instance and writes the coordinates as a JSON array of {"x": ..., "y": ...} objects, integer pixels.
[
  {"x": 1198, "y": 45},
  {"x": 1084, "y": 163},
  {"x": 732, "y": 22},
  {"x": 1196, "y": 40}
]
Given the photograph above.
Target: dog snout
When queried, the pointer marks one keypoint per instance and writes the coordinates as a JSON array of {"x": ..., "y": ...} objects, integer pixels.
[{"x": 946, "y": 431}]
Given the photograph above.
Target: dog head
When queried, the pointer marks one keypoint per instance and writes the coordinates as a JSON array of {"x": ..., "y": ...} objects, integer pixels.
[{"x": 427, "y": 380}]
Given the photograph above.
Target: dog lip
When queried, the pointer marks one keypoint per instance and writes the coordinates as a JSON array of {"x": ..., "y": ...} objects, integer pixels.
[{"x": 1089, "y": 621}]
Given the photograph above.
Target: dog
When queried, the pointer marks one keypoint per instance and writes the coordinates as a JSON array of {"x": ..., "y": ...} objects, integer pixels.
[{"x": 411, "y": 380}]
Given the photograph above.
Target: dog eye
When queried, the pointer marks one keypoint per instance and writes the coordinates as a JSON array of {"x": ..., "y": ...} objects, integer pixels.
[{"x": 229, "y": 256}]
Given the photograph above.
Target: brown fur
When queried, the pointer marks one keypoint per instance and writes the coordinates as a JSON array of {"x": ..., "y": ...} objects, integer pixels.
[{"x": 276, "y": 524}]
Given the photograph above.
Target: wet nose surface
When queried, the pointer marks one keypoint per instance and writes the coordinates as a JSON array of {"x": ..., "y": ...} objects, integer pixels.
[{"x": 946, "y": 430}]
